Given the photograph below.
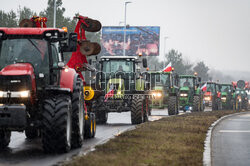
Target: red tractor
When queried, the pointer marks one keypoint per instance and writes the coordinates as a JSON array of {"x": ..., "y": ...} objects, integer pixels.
[{"x": 38, "y": 94}]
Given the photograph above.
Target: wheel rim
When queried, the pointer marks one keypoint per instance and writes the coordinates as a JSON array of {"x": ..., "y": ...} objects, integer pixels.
[{"x": 91, "y": 126}]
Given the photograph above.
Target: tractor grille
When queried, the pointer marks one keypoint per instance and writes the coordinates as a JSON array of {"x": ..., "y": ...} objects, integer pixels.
[{"x": 15, "y": 83}]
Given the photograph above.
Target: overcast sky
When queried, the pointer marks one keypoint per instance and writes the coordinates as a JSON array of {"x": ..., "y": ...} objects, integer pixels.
[{"x": 215, "y": 31}]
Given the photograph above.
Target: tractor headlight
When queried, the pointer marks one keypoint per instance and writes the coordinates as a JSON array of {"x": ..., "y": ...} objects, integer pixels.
[
  {"x": 1, "y": 93},
  {"x": 183, "y": 95},
  {"x": 207, "y": 98},
  {"x": 24, "y": 94},
  {"x": 20, "y": 94},
  {"x": 223, "y": 99}
]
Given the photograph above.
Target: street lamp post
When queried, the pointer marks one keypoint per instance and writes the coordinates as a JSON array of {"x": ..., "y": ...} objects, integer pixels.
[
  {"x": 164, "y": 54},
  {"x": 124, "y": 40},
  {"x": 54, "y": 21}
]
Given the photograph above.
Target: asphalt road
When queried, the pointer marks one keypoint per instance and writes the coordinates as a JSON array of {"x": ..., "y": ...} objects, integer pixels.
[
  {"x": 231, "y": 141},
  {"x": 22, "y": 151}
]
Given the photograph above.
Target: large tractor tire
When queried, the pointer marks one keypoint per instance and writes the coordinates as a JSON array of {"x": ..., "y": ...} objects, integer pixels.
[
  {"x": 137, "y": 111},
  {"x": 90, "y": 126},
  {"x": 57, "y": 124},
  {"x": 77, "y": 115},
  {"x": 31, "y": 133},
  {"x": 101, "y": 114},
  {"x": 4, "y": 138},
  {"x": 196, "y": 105},
  {"x": 214, "y": 105},
  {"x": 172, "y": 105},
  {"x": 145, "y": 110}
]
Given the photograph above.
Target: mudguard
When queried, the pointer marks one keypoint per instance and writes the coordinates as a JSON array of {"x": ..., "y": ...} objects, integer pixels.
[{"x": 68, "y": 79}]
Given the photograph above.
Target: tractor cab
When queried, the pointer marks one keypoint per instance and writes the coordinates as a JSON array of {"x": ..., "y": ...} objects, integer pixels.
[
  {"x": 212, "y": 95},
  {"x": 227, "y": 96},
  {"x": 191, "y": 97}
]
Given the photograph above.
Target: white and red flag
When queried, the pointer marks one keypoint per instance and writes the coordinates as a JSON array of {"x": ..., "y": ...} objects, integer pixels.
[
  {"x": 110, "y": 93},
  {"x": 204, "y": 87},
  {"x": 168, "y": 68}
]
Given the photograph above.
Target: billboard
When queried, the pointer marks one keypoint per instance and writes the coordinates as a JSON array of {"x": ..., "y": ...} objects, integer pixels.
[{"x": 139, "y": 40}]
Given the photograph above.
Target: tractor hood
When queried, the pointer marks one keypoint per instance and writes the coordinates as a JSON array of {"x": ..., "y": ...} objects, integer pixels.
[
  {"x": 184, "y": 88},
  {"x": 223, "y": 93},
  {"x": 157, "y": 88},
  {"x": 15, "y": 72},
  {"x": 18, "y": 69}
]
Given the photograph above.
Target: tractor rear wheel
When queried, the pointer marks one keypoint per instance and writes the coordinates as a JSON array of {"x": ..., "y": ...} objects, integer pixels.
[
  {"x": 196, "y": 106},
  {"x": 137, "y": 111},
  {"x": 101, "y": 114},
  {"x": 77, "y": 115},
  {"x": 172, "y": 105},
  {"x": 90, "y": 126},
  {"x": 4, "y": 138},
  {"x": 57, "y": 125},
  {"x": 145, "y": 110}
]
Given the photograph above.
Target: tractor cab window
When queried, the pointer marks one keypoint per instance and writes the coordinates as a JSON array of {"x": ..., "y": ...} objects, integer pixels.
[
  {"x": 33, "y": 51},
  {"x": 188, "y": 82},
  {"x": 210, "y": 87},
  {"x": 55, "y": 58},
  {"x": 225, "y": 88},
  {"x": 160, "y": 79},
  {"x": 113, "y": 66}
]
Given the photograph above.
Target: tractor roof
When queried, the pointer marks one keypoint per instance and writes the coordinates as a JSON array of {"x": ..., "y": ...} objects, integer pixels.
[
  {"x": 119, "y": 57},
  {"x": 226, "y": 84},
  {"x": 158, "y": 72},
  {"x": 27, "y": 31},
  {"x": 185, "y": 76}
]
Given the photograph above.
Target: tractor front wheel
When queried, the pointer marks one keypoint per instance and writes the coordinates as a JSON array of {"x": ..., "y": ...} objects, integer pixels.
[
  {"x": 90, "y": 126},
  {"x": 196, "y": 106},
  {"x": 77, "y": 115},
  {"x": 137, "y": 111},
  {"x": 4, "y": 138},
  {"x": 57, "y": 125},
  {"x": 172, "y": 105}
]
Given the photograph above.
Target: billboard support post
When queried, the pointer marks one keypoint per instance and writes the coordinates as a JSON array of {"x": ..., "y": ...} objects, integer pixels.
[{"x": 124, "y": 39}]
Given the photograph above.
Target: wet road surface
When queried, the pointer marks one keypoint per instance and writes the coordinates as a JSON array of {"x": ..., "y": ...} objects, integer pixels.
[
  {"x": 231, "y": 141},
  {"x": 22, "y": 151}
]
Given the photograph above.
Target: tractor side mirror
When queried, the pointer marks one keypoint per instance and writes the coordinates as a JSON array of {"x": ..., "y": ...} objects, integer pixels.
[
  {"x": 72, "y": 43},
  {"x": 144, "y": 62}
]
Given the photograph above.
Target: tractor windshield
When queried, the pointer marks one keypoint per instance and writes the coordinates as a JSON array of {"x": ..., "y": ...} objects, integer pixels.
[
  {"x": 225, "y": 88},
  {"x": 34, "y": 51},
  {"x": 187, "y": 82},
  {"x": 118, "y": 66},
  {"x": 210, "y": 87},
  {"x": 160, "y": 79}
]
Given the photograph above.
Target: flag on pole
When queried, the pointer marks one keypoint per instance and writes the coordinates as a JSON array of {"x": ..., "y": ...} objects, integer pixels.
[
  {"x": 204, "y": 87},
  {"x": 110, "y": 93},
  {"x": 168, "y": 68}
]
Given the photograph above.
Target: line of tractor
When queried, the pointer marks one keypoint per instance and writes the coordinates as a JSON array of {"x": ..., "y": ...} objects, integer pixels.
[{"x": 46, "y": 97}]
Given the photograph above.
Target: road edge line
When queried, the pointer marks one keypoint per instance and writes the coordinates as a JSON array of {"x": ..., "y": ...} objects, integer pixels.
[{"x": 207, "y": 143}]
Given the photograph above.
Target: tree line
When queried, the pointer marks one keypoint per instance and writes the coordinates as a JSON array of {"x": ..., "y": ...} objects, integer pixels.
[{"x": 12, "y": 19}]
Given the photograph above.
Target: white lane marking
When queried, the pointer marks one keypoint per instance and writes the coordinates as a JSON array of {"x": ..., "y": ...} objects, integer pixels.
[
  {"x": 234, "y": 131},
  {"x": 246, "y": 120}
]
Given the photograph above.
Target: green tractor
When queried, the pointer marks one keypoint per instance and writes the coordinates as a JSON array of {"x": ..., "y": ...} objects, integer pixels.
[
  {"x": 164, "y": 91},
  {"x": 191, "y": 96},
  {"x": 122, "y": 87},
  {"x": 241, "y": 96},
  {"x": 227, "y": 96}
]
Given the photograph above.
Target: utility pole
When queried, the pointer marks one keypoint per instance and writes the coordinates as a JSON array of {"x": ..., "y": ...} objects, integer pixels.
[
  {"x": 54, "y": 21},
  {"x": 124, "y": 40}
]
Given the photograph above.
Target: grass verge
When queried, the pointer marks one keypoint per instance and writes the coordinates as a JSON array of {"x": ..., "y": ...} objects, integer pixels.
[{"x": 177, "y": 140}]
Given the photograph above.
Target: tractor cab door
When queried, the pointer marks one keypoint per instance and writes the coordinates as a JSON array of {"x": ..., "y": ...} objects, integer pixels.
[{"x": 54, "y": 59}]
